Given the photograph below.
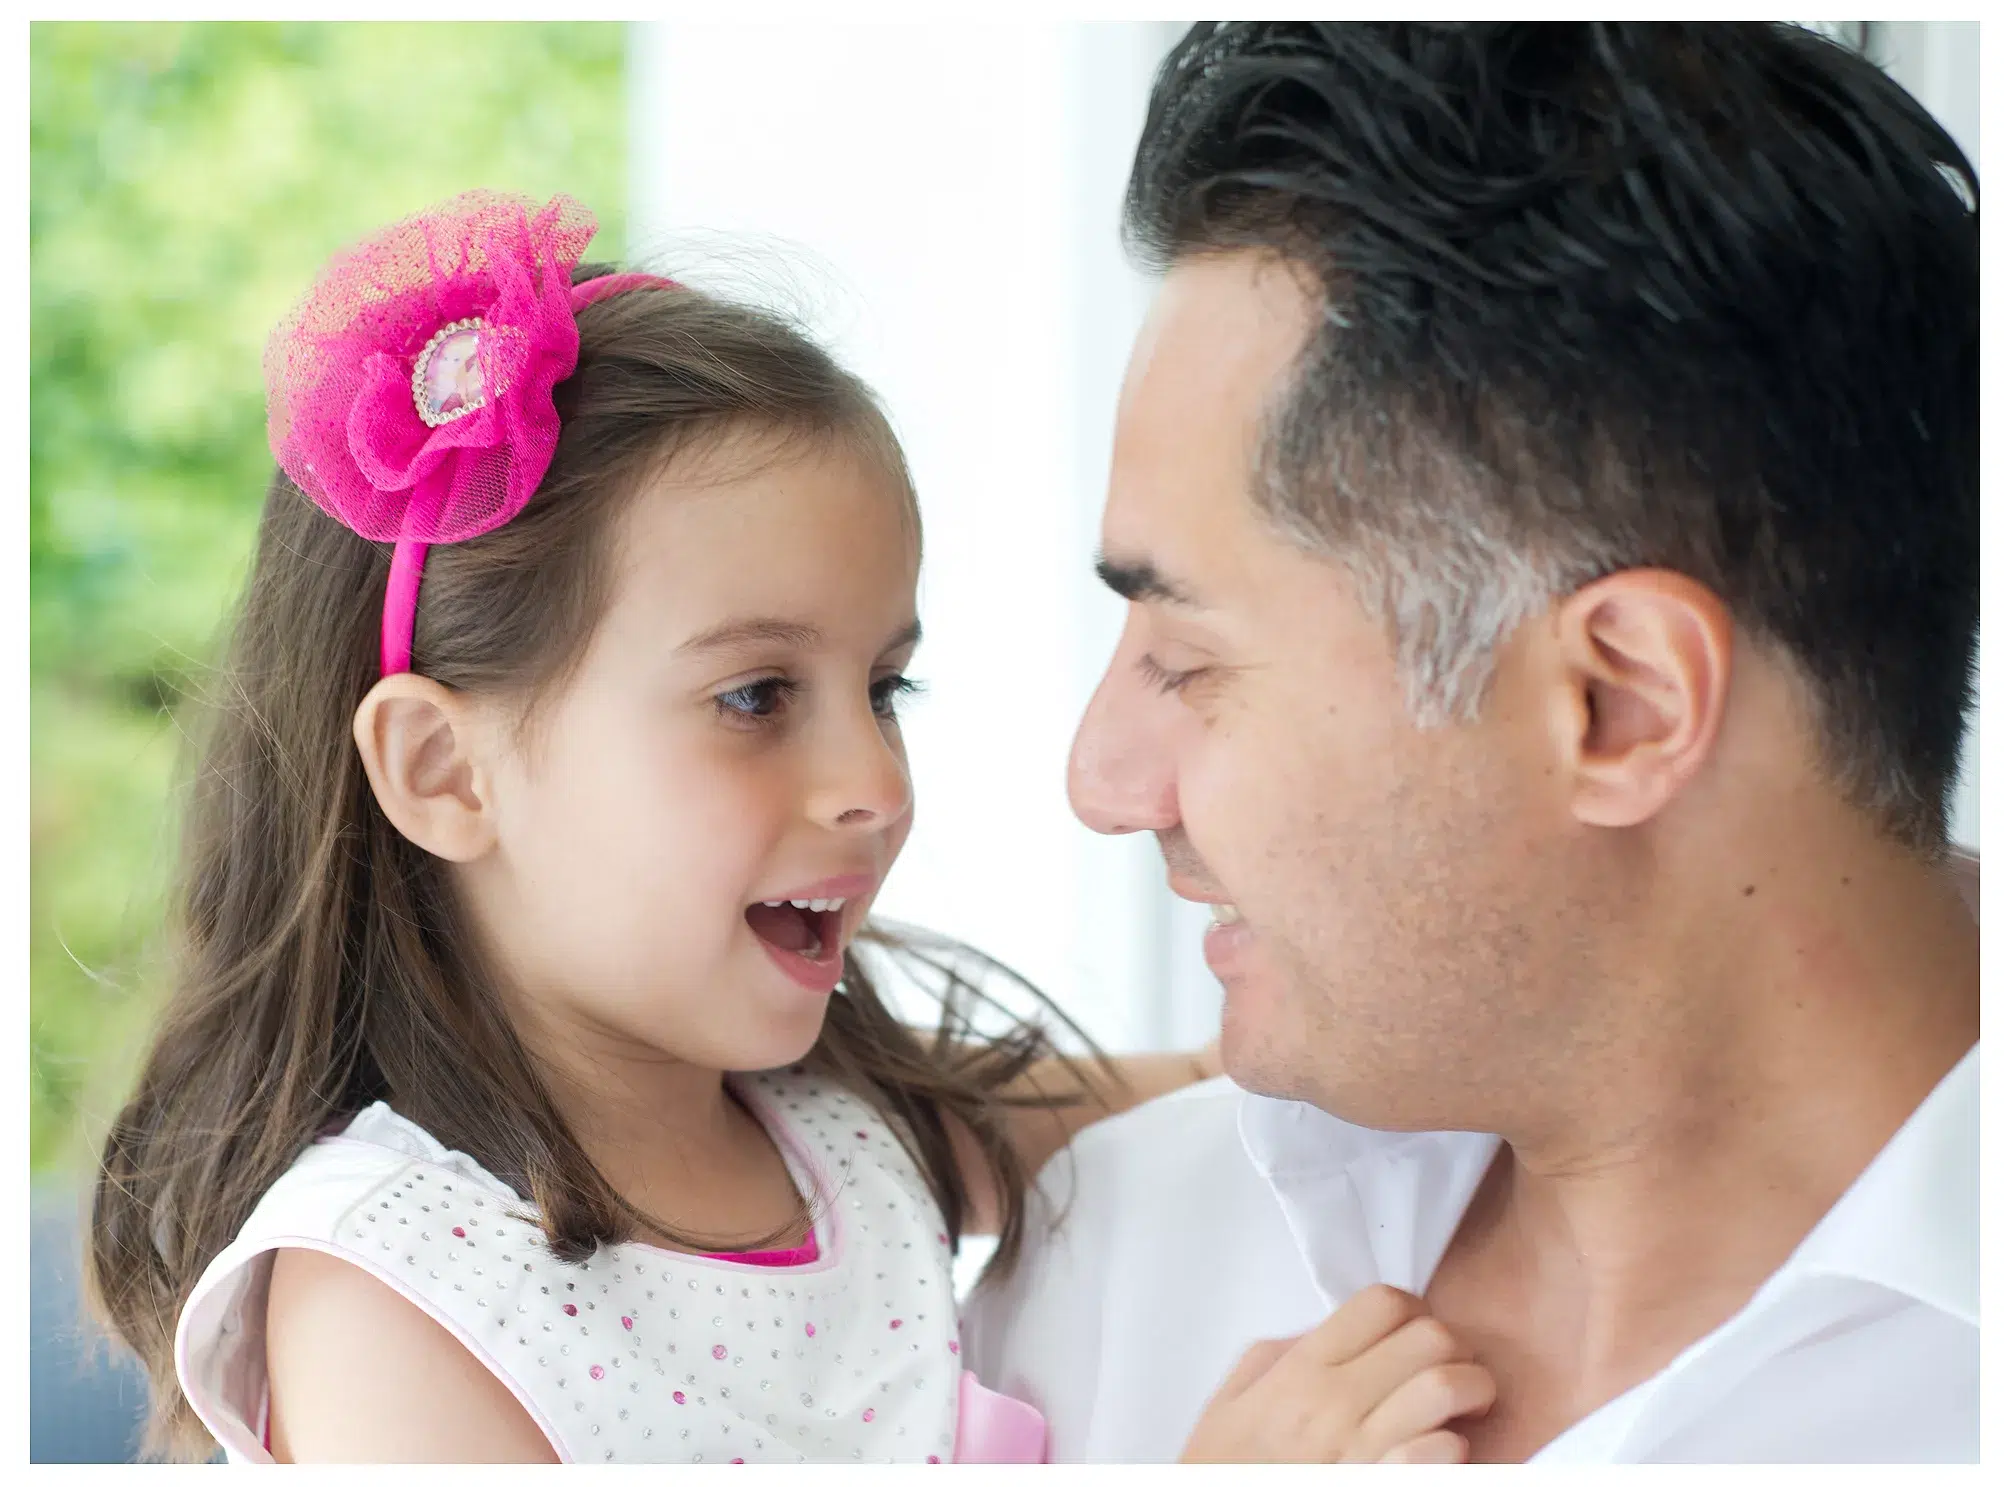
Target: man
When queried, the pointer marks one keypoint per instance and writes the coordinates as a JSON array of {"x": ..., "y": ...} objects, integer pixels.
[{"x": 1546, "y": 493}]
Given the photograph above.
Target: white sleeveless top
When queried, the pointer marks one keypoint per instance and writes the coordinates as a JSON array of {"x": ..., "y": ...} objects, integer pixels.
[{"x": 639, "y": 1353}]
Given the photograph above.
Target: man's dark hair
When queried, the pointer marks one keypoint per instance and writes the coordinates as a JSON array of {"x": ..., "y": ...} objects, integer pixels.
[{"x": 1613, "y": 295}]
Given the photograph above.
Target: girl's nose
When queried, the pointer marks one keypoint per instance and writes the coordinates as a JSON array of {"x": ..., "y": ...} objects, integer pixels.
[{"x": 863, "y": 784}]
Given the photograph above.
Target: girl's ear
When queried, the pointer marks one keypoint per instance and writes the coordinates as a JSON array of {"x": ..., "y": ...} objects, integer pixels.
[{"x": 421, "y": 747}]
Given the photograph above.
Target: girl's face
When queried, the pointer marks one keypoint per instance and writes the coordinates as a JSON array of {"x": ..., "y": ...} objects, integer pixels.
[{"x": 728, "y": 744}]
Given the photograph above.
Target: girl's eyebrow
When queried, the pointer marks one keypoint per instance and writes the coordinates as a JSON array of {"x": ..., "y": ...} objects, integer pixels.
[{"x": 737, "y": 633}]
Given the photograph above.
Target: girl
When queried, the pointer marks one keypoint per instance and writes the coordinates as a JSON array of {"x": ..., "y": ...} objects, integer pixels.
[{"x": 556, "y": 771}]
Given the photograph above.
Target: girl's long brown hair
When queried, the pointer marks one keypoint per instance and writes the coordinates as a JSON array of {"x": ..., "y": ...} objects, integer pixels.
[{"x": 322, "y": 961}]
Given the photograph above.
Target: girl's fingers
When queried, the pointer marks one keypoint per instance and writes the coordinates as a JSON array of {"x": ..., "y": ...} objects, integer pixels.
[
  {"x": 1439, "y": 1448},
  {"x": 1423, "y": 1405},
  {"x": 1363, "y": 1320},
  {"x": 1253, "y": 1365},
  {"x": 1422, "y": 1343}
]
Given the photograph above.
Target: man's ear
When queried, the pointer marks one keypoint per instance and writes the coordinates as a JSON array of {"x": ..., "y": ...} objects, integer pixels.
[
  {"x": 421, "y": 747},
  {"x": 1646, "y": 671}
]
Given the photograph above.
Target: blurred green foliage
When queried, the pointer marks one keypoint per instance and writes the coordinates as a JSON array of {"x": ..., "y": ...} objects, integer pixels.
[{"x": 186, "y": 182}]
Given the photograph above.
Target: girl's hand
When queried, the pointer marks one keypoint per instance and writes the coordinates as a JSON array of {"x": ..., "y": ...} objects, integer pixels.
[{"x": 1379, "y": 1380}]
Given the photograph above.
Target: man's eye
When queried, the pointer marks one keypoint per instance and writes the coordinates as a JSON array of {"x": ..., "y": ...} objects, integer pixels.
[
  {"x": 761, "y": 699},
  {"x": 1164, "y": 680}
]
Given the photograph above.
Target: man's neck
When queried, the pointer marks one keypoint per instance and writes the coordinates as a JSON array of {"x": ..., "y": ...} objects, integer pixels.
[{"x": 1811, "y": 1032}]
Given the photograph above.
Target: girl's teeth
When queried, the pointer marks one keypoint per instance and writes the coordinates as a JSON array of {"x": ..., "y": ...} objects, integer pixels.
[
  {"x": 814, "y": 905},
  {"x": 1225, "y": 913}
]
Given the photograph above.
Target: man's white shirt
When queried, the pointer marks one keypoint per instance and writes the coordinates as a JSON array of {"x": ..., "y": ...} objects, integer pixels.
[{"x": 1196, "y": 1225}]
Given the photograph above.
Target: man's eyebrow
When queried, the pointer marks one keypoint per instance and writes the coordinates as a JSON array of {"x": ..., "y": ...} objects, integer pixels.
[{"x": 1141, "y": 582}]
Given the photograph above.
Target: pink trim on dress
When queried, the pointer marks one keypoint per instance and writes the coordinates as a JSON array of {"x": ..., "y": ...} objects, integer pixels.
[
  {"x": 805, "y": 1253},
  {"x": 997, "y": 1429}
]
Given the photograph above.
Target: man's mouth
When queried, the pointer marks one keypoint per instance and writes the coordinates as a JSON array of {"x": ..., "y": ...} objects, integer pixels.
[
  {"x": 1229, "y": 940},
  {"x": 1195, "y": 891},
  {"x": 809, "y": 927},
  {"x": 1227, "y": 945}
]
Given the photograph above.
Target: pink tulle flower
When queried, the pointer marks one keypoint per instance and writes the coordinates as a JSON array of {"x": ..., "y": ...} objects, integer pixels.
[{"x": 410, "y": 392}]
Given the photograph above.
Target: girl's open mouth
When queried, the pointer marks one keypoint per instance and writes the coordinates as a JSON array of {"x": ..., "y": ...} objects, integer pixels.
[
  {"x": 802, "y": 927},
  {"x": 804, "y": 937}
]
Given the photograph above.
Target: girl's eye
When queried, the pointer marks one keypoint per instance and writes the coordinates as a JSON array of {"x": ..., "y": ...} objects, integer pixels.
[
  {"x": 765, "y": 699},
  {"x": 1164, "y": 680},
  {"x": 761, "y": 699},
  {"x": 889, "y": 692}
]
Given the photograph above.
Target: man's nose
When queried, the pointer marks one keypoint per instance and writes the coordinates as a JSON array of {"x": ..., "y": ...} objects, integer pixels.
[{"x": 1120, "y": 775}]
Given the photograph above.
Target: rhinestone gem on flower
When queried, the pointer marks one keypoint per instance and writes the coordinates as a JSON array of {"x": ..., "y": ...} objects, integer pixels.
[{"x": 447, "y": 381}]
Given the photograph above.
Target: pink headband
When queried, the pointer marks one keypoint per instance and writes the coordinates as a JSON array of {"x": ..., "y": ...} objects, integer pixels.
[{"x": 409, "y": 393}]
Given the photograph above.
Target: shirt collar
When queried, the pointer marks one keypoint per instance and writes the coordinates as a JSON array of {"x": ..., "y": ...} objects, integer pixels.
[
  {"x": 1912, "y": 1221},
  {"x": 1360, "y": 1201}
]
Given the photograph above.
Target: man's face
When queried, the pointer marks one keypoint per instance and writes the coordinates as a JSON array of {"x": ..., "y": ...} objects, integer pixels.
[{"x": 1389, "y": 951}]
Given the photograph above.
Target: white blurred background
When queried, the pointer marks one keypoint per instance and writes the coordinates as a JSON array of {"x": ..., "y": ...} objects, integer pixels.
[{"x": 942, "y": 201}]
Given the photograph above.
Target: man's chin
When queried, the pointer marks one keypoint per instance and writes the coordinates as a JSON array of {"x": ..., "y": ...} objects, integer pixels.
[{"x": 1253, "y": 1054}]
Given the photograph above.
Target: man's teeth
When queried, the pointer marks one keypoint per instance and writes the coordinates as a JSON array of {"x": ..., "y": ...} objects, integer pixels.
[
  {"x": 1225, "y": 913},
  {"x": 814, "y": 905}
]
